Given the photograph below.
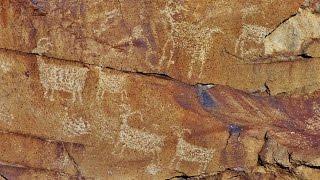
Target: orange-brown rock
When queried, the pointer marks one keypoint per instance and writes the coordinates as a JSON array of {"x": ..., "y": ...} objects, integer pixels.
[
  {"x": 170, "y": 89},
  {"x": 78, "y": 120},
  {"x": 221, "y": 42}
]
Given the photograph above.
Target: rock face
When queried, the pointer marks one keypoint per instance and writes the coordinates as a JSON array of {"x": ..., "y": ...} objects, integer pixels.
[{"x": 159, "y": 89}]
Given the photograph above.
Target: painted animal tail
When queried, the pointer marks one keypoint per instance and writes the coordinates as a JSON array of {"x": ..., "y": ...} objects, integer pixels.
[{"x": 179, "y": 132}]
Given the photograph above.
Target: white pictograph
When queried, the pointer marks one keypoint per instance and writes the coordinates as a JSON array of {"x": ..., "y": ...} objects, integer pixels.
[
  {"x": 62, "y": 78},
  {"x": 195, "y": 39},
  {"x": 74, "y": 126},
  {"x": 252, "y": 36},
  {"x": 190, "y": 153},
  {"x": 136, "y": 139},
  {"x": 249, "y": 10},
  {"x": 153, "y": 169},
  {"x": 113, "y": 83},
  {"x": 5, "y": 67}
]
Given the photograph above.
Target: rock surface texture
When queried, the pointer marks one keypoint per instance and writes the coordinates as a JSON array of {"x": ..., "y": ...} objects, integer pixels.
[{"x": 167, "y": 89}]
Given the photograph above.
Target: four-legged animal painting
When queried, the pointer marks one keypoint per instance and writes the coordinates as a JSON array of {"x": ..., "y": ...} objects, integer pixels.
[
  {"x": 136, "y": 139},
  {"x": 69, "y": 79}
]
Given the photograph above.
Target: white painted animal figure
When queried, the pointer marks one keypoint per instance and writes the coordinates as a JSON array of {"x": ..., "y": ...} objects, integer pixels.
[
  {"x": 136, "y": 139},
  {"x": 113, "y": 83},
  {"x": 62, "y": 78},
  {"x": 190, "y": 153},
  {"x": 194, "y": 38},
  {"x": 5, "y": 67},
  {"x": 250, "y": 33},
  {"x": 75, "y": 127}
]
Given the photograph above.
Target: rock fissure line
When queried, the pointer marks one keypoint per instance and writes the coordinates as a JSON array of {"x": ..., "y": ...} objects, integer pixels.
[
  {"x": 75, "y": 164},
  {"x": 41, "y": 138},
  {"x": 25, "y": 167},
  {"x": 156, "y": 75},
  {"x": 285, "y": 20},
  {"x": 285, "y": 59},
  {"x": 3, "y": 176},
  {"x": 301, "y": 163}
]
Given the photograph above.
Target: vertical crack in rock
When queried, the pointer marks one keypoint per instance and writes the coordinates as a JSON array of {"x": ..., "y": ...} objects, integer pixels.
[
  {"x": 234, "y": 152},
  {"x": 267, "y": 89},
  {"x": 79, "y": 174},
  {"x": 274, "y": 154},
  {"x": 276, "y": 158}
]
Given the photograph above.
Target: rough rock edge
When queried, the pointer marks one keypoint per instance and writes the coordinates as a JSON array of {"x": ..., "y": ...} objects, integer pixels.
[{"x": 272, "y": 168}]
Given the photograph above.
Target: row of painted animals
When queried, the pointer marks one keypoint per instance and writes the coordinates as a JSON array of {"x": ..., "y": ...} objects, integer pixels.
[
  {"x": 72, "y": 79},
  {"x": 149, "y": 143}
]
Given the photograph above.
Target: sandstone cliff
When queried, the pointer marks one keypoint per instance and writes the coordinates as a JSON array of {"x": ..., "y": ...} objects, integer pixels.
[{"x": 168, "y": 89}]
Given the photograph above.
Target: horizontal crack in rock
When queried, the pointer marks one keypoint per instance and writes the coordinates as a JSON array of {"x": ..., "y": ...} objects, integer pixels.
[
  {"x": 40, "y": 138},
  {"x": 25, "y": 167},
  {"x": 153, "y": 74}
]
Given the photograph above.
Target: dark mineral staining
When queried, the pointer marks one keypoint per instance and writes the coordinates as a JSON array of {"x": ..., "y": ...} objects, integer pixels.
[
  {"x": 234, "y": 129},
  {"x": 39, "y": 7},
  {"x": 206, "y": 100}
]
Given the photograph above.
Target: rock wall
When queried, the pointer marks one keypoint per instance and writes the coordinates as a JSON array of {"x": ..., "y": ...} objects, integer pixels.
[{"x": 139, "y": 89}]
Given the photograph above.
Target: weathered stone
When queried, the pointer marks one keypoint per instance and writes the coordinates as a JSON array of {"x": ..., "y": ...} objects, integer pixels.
[
  {"x": 290, "y": 36},
  {"x": 218, "y": 43},
  {"x": 313, "y": 49},
  {"x": 107, "y": 123},
  {"x": 166, "y": 89}
]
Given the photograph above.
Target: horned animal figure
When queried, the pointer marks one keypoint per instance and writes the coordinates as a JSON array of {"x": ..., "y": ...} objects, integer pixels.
[
  {"x": 62, "y": 78},
  {"x": 195, "y": 39},
  {"x": 136, "y": 139}
]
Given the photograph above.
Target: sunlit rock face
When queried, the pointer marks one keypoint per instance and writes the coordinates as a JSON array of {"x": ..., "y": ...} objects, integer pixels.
[{"x": 159, "y": 89}]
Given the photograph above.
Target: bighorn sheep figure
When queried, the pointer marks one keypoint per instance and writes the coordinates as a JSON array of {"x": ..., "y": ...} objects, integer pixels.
[{"x": 137, "y": 139}]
